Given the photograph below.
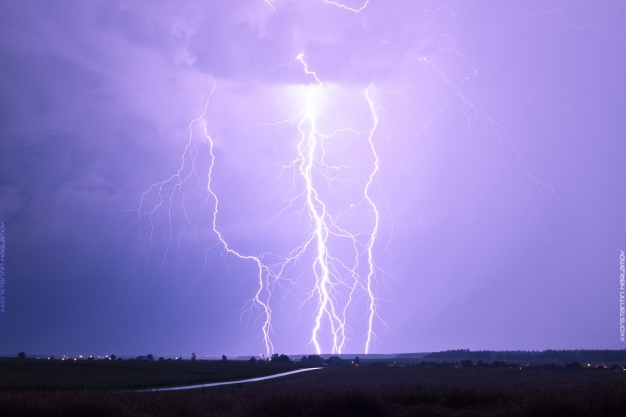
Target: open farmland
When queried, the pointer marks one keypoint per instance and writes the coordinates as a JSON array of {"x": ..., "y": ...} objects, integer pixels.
[
  {"x": 351, "y": 391},
  {"x": 119, "y": 375}
]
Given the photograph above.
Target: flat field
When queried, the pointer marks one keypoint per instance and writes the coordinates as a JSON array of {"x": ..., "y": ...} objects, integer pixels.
[
  {"x": 355, "y": 391},
  {"x": 97, "y": 375}
]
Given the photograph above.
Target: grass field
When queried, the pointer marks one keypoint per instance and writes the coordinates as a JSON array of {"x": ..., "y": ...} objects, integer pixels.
[
  {"x": 363, "y": 391},
  {"x": 98, "y": 375}
]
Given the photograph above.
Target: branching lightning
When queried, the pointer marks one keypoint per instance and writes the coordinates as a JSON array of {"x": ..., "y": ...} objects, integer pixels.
[
  {"x": 326, "y": 265},
  {"x": 263, "y": 269},
  {"x": 500, "y": 131},
  {"x": 334, "y": 283},
  {"x": 339, "y": 280},
  {"x": 351, "y": 9}
]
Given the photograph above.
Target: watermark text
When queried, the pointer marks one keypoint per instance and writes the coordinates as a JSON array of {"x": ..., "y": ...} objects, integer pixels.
[
  {"x": 2, "y": 267},
  {"x": 622, "y": 297}
]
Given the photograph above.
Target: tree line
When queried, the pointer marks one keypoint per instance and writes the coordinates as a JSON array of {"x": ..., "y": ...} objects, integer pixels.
[
  {"x": 310, "y": 360},
  {"x": 549, "y": 355}
]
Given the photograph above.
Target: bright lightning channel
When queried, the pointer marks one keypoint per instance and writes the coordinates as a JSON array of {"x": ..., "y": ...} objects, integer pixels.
[
  {"x": 263, "y": 278},
  {"x": 339, "y": 282},
  {"x": 370, "y": 243},
  {"x": 324, "y": 227}
]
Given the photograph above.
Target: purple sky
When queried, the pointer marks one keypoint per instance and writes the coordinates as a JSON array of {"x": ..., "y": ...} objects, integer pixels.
[{"x": 500, "y": 188}]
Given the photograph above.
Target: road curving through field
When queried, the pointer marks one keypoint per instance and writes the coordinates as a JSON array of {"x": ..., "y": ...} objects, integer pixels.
[{"x": 216, "y": 384}]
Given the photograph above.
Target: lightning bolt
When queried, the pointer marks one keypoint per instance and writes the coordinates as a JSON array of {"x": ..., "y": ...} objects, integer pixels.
[
  {"x": 263, "y": 271},
  {"x": 173, "y": 186},
  {"x": 324, "y": 227},
  {"x": 351, "y": 9},
  {"x": 335, "y": 283},
  {"x": 579, "y": 27},
  {"x": 370, "y": 244},
  {"x": 339, "y": 279},
  {"x": 317, "y": 209}
]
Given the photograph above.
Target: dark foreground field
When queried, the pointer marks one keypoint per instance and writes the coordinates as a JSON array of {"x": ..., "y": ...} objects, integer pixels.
[
  {"x": 98, "y": 375},
  {"x": 363, "y": 391}
]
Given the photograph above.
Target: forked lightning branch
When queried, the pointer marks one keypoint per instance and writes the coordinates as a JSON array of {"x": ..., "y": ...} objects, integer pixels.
[{"x": 336, "y": 253}]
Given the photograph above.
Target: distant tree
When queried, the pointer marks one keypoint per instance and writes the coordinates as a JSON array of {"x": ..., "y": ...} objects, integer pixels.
[
  {"x": 161, "y": 359},
  {"x": 119, "y": 359},
  {"x": 141, "y": 358},
  {"x": 334, "y": 361},
  {"x": 480, "y": 362},
  {"x": 252, "y": 359},
  {"x": 304, "y": 360},
  {"x": 21, "y": 355},
  {"x": 51, "y": 357},
  {"x": 90, "y": 358},
  {"x": 315, "y": 360},
  {"x": 467, "y": 363},
  {"x": 150, "y": 357},
  {"x": 180, "y": 358},
  {"x": 224, "y": 358},
  {"x": 113, "y": 357},
  {"x": 193, "y": 356},
  {"x": 356, "y": 361},
  {"x": 276, "y": 358}
]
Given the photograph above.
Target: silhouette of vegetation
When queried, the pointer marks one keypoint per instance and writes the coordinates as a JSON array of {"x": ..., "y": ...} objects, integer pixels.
[
  {"x": 252, "y": 359},
  {"x": 276, "y": 358},
  {"x": 336, "y": 361},
  {"x": 193, "y": 356},
  {"x": 549, "y": 355},
  {"x": 467, "y": 363},
  {"x": 313, "y": 360},
  {"x": 21, "y": 355},
  {"x": 224, "y": 358}
]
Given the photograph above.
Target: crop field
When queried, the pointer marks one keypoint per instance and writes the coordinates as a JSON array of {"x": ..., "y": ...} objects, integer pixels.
[{"x": 353, "y": 391}]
